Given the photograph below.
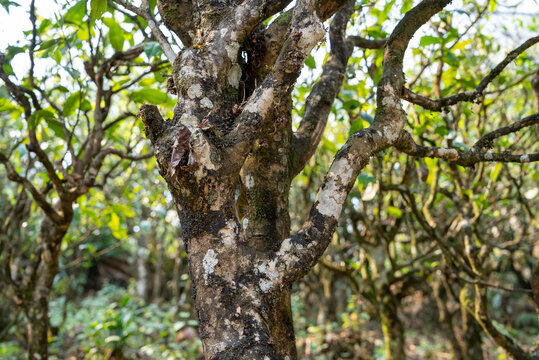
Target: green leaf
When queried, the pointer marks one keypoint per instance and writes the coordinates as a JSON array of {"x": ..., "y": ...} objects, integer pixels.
[
  {"x": 52, "y": 123},
  {"x": 310, "y": 62},
  {"x": 116, "y": 33},
  {"x": 492, "y": 5},
  {"x": 496, "y": 171},
  {"x": 97, "y": 9},
  {"x": 11, "y": 51},
  {"x": 441, "y": 130},
  {"x": 114, "y": 224},
  {"x": 76, "y": 13},
  {"x": 351, "y": 105},
  {"x": 56, "y": 127},
  {"x": 152, "y": 49},
  {"x": 429, "y": 40},
  {"x": 365, "y": 179},
  {"x": 153, "y": 96},
  {"x": 356, "y": 126},
  {"x": 6, "y": 105},
  {"x": 451, "y": 59},
  {"x": 6, "y": 4},
  {"x": 152, "y": 5},
  {"x": 406, "y": 6},
  {"x": 49, "y": 43},
  {"x": 396, "y": 212},
  {"x": 37, "y": 116},
  {"x": 71, "y": 103},
  {"x": 124, "y": 210},
  {"x": 125, "y": 299},
  {"x": 57, "y": 56}
]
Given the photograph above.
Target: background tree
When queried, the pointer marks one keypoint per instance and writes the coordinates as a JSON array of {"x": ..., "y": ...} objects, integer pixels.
[{"x": 66, "y": 127}]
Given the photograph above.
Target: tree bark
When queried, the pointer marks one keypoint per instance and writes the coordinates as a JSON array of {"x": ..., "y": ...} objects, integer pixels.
[
  {"x": 37, "y": 304},
  {"x": 471, "y": 347},
  {"x": 228, "y": 139},
  {"x": 392, "y": 328},
  {"x": 446, "y": 320}
]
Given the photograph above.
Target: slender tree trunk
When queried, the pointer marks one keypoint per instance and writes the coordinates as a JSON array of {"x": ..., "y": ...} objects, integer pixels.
[
  {"x": 535, "y": 281},
  {"x": 446, "y": 320},
  {"x": 38, "y": 328},
  {"x": 158, "y": 274},
  {"x": 392, "y": 328},
  {"x": 471, "y": 336},
  {"x": 37, "y": 308},
  {"x": 142, "y": 265}
]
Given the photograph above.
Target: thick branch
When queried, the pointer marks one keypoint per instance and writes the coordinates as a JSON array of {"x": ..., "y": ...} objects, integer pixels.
[
  {"x": 271, "y": 98},
  {"x": 178, "y": 17},
  {"x": 367, "y": 43},
  {"x": 320, "y": 100},
  {"x": 299, "y": 253}
]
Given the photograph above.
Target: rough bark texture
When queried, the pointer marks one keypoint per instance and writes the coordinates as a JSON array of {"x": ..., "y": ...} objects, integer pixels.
[
  {"x": 392, "y": 328},
  {"x": 230, "y": 153},
  {"x": 36, "y": 306}
]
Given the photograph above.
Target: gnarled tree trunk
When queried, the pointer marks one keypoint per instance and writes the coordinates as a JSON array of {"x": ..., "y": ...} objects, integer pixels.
[{"x": 230, "y": 153}]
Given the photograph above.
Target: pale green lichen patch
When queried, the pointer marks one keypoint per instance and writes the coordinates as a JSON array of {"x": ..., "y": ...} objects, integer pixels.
[
  {"x": 263, "y": 101},
  {"x": 265, "y": 285},
  {"x": 206, "y": 103},
  {"x": 249, "y": 181}
]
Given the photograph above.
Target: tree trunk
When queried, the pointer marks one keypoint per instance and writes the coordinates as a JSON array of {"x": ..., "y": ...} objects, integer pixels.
[
  {"x": 38, "y": 328},
  {"x": 37, "y": 307},
  {"x": 446, "y": 320},
  {"x": 231, "y": 133},
  {"x": 471, "y": 335},
  {"x": 392, "y": 328}
]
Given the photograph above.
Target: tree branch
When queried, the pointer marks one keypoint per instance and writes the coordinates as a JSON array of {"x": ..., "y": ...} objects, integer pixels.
[
  {"x": 271, "y": 98},
  {"x": 320, "y": 100},
  {"x": 301, "y": 252},
  {"x": 367, "y": 43},
  {"x": 156, "y": 32},
  {"x": 40, "y": 200},
  {"x": 440, "y": 104},
  {"x": 407, "y": 145}
]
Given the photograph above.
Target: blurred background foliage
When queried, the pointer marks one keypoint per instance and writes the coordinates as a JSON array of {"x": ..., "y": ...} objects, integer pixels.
[{"x": 394, "y": 278}]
